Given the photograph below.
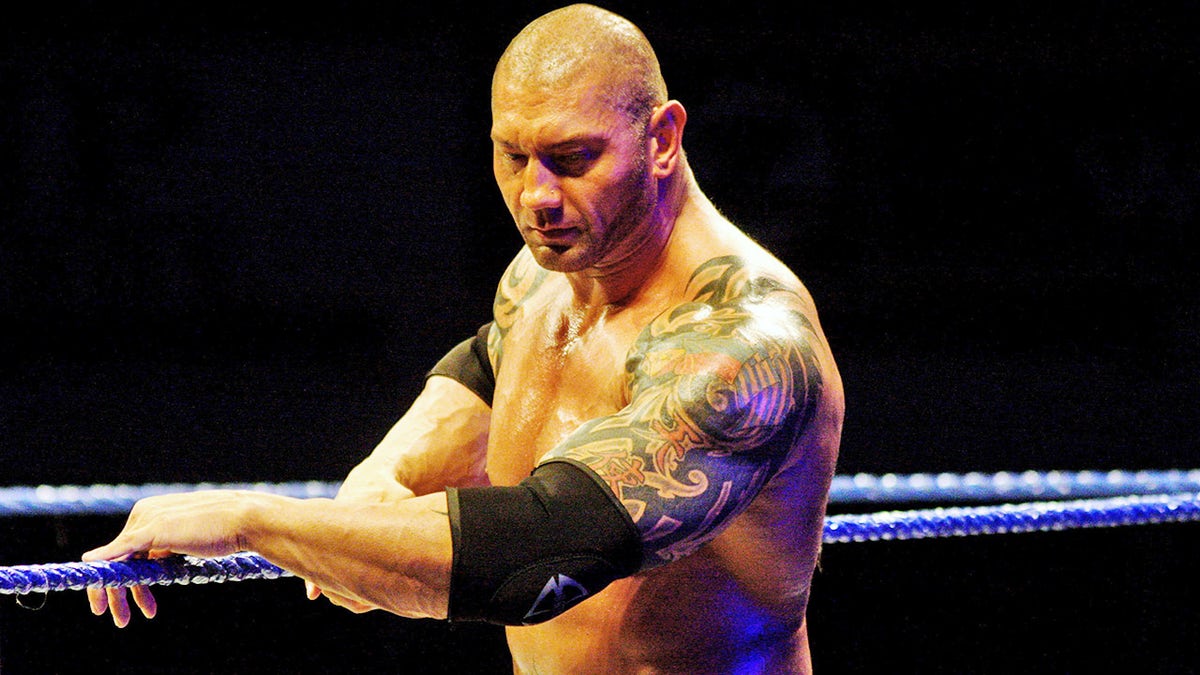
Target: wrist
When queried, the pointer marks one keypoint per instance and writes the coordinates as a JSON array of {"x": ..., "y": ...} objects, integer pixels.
[{"x": 252, "y": 519}]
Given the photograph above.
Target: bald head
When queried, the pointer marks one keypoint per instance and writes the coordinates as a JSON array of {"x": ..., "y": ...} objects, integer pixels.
[{"x": 584, "y": 44}]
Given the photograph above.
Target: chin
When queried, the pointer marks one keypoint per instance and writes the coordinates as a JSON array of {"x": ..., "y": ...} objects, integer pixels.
[{"x": 560, "y": 259}]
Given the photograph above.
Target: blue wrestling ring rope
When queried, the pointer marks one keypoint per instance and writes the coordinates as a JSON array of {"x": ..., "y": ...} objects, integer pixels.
[
  {"x": 108, "y": 500},
  {"x": 76, "y": 576},
  {"x": 859, "y": 488},
  {"x": 918, "y": 524}
]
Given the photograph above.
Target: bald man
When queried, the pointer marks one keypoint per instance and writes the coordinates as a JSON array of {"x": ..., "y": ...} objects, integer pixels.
[{"x": 628, "y": 466}]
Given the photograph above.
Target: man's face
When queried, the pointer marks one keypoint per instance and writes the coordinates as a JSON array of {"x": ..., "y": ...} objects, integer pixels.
[{"x": 573, "y": 173}]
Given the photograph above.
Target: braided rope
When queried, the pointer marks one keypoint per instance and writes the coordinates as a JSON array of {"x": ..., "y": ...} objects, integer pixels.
[
  {"x": 77, "y": 576},
  {"x": 895, "y": 525},
  {"x": 1014, "y": 518},
  {"x": 1008, "y": 486},
  {"x": 46, "y": 500},
  {"x": 108, "y": 500}
]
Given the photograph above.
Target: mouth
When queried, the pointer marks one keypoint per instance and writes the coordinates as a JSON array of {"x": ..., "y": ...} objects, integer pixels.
[{"x": 557, "y": 239}]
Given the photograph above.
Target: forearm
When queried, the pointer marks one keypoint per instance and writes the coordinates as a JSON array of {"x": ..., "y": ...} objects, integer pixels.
[{"x": 394, "y": 556}]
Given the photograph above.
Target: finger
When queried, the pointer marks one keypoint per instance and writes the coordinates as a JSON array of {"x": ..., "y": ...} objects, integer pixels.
[
  {"x": 145, "y": 601},
  {"x": 98, "y": 599},
  {"x": 118, "y": 604}
]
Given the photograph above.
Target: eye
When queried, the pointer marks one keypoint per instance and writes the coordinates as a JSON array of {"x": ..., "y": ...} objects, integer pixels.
[
  {"x": 573, "y": 163},
  {"x": 515, "y": 160}
]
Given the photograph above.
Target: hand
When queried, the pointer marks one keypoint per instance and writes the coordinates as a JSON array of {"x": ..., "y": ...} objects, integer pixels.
[
  {"x": 116, "y": 599},
  {"x": 196, "y": 523}
]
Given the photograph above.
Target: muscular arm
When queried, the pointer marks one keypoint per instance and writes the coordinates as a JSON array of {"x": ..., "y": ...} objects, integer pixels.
[
  {"x": 441, "y": 440},
  {"x": 722, "y": 388},
  {"x": 395, "y": 556},
  {"x": 384, "y": 542},
  {"x": 390, "y": 556}
]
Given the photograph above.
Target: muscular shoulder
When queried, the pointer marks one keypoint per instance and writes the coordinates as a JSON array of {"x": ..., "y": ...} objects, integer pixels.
[
  {"x": 742, "y": 352},
  {"x": 730, "y": 301},
  {"x": 522, "y": 280},
  {"x": 724, "y": 387}
]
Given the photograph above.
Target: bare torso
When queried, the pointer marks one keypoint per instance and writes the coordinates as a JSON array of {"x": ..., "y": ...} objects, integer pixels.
[{"x": 735, "y": 605}]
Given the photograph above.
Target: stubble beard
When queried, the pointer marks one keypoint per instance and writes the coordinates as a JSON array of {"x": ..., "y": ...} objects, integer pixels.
[{"x": 618, "y": 233}]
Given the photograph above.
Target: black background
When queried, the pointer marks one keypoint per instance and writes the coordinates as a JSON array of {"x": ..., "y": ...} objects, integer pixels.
[{"x": 233, "y": 238}]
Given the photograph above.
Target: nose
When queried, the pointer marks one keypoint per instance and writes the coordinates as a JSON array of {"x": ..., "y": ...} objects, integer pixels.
[{"x": 540, "y": 189}]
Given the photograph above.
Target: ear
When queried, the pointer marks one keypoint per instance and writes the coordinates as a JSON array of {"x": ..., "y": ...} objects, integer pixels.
[{"x": 666, "y": 137}]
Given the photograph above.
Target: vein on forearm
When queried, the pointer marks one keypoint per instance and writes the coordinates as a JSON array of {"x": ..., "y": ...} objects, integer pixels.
[{"x": 395, "y": 556}]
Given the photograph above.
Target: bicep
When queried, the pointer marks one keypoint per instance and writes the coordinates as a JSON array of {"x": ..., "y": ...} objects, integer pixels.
[{"x": 440, "y": 441}]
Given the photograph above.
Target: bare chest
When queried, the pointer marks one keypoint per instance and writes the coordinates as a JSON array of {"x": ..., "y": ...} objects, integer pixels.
[{"x": 550, "y": 382}]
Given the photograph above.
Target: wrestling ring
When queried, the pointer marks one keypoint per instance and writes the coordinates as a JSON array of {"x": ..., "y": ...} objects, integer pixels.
[{"x": 953, "y": 505}]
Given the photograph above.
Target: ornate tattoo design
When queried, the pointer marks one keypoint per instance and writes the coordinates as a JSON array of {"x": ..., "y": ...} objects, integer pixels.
[
  {"x": 522, "y": 279},
  {"x": 722, "y": 387}
]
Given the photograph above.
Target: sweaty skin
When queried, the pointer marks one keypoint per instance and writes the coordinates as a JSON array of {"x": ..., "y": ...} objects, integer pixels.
[
  {"x": 630, "y": 283},
  {"x": 638, "y": 333},
  {"x": 735, "y": 604}
]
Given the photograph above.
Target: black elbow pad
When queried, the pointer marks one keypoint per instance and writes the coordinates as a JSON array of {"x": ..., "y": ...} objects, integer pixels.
[
  {"x": 528, "y": 553},
  {"x": 468, "y": 363}
]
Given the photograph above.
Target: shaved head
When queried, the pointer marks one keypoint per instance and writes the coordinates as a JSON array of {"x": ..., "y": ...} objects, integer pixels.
[{"x": 584, "y": 45}]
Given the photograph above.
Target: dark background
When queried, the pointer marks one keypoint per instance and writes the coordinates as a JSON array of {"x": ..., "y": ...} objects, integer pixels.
[{"x": 232, "y": 238}]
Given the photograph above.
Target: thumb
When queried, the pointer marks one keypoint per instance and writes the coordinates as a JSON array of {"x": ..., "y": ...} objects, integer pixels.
[
  {"x": 100, "y": 554},
  {"x": 114, "y": 550}
]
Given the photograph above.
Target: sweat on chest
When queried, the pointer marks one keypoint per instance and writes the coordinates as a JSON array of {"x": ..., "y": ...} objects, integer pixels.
[{"x": 545, "y": 389}]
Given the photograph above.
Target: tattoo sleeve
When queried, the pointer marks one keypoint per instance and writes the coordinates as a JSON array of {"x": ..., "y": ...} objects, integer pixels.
[{"x": 721, "y": 389}]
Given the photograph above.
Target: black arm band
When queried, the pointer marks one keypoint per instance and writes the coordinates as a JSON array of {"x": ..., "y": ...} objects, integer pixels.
[
  {"x": 528, "y": 553},
  {"x": 468, "y": 363}
]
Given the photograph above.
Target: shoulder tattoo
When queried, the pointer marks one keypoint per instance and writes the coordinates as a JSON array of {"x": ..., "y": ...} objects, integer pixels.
[
  {"x": 522, "y": 279},
  {"x": 722, "y": 388}
]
